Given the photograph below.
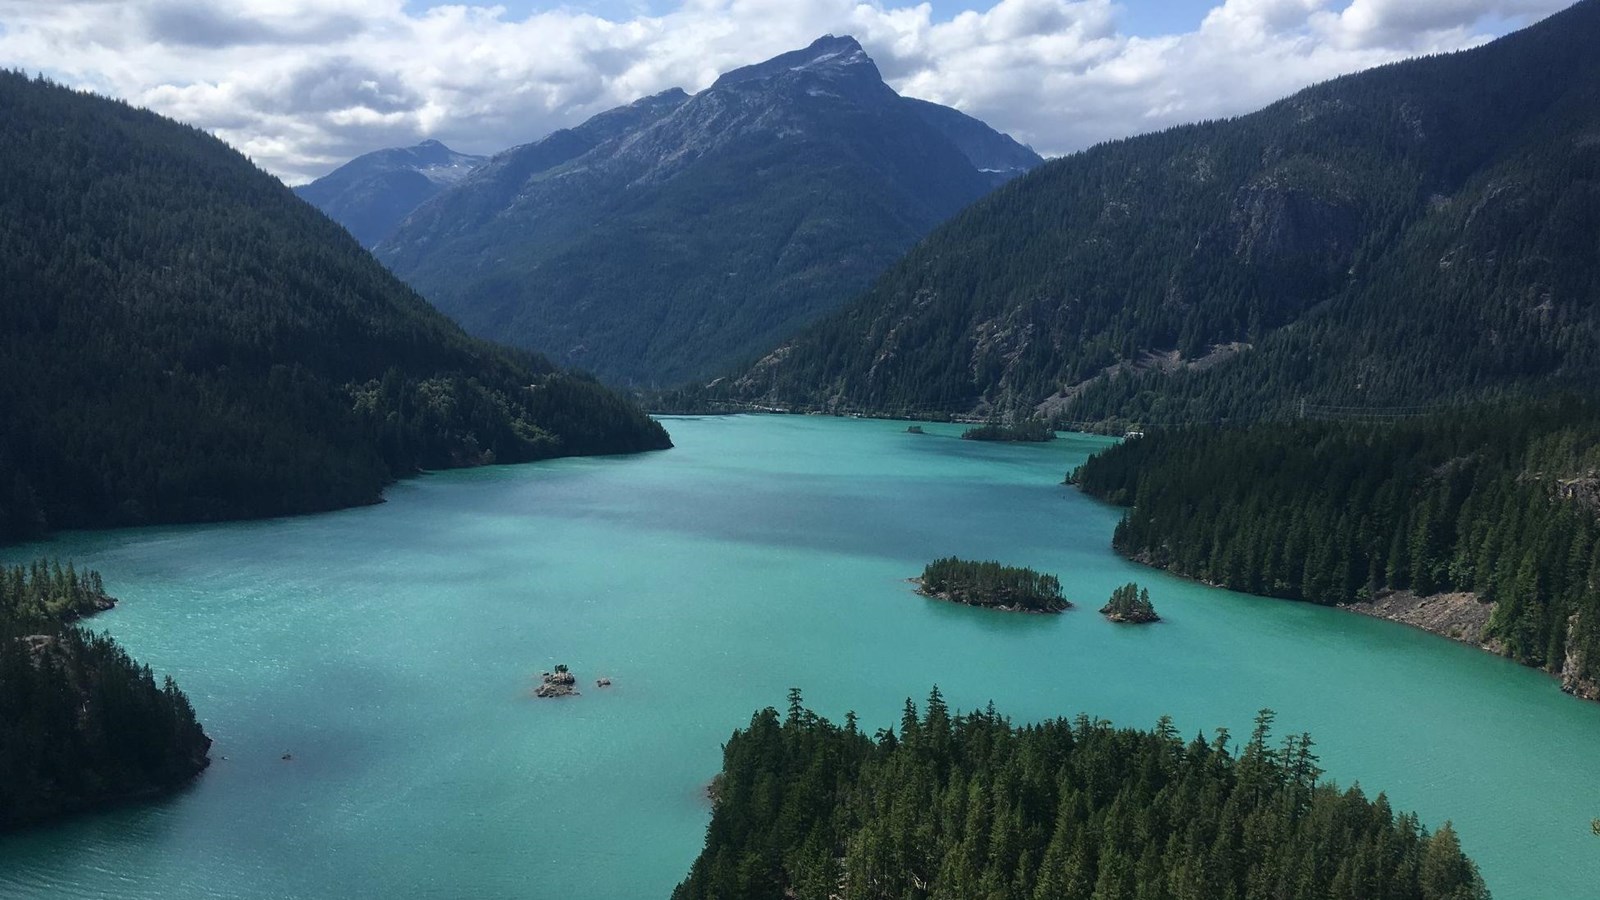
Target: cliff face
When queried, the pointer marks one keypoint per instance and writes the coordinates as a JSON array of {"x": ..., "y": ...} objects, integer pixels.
[{"x": 1572, "y": 681}]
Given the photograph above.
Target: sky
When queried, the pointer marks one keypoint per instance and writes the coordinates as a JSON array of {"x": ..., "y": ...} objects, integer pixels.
[{"x": 302, "y": 86}]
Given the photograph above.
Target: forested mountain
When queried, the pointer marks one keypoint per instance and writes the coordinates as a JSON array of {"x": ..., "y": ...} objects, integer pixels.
[
  {"x": 182, "y": 339},
  {"x": 371, "y": 194},
  {"x": 1502, "y": 502},
  {"x": 81, "y": 724},
  {"x": 1423, "y": 230},
  {"x": 663, "y": 240},
  {"x": 970, "y": 806}
]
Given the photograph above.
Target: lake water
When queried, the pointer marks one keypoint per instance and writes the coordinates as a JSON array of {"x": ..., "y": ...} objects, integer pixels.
[{"x": 391, "y": 651}]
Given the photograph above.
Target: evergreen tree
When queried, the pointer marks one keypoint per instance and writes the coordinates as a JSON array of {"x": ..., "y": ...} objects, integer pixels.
[
  {"x": 82, "y": 724},
  {"x": 185, "y": 340},
  {"x": 1498, "y": 500},
  {"x": 969, "y": 806}
]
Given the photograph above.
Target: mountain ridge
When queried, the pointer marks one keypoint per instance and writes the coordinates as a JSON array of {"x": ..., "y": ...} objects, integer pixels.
[
  {"x": 1230, "y": 268},
  {"x": 183, "y": 340},
  {"x": 371, "y": 194},
  {"x": 707, "y": 226}
]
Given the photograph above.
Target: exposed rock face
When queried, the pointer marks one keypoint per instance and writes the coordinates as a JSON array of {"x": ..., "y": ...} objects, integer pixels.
[
  {"x": 1133, "y": 618},
  {"x": 1572, "y": 681},
  {"x": 1281, "y": 223},
  {"x": 1584, "y": 491},
  {"x": 560, "y": 683},
  {"x": 1463, "y": 617},
  {"x": 1458, "y": 616}
]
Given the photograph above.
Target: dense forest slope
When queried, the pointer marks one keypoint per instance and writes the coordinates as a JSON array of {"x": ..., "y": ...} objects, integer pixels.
[
  {"x": 662, "y": 240},
  {"x": 1502, "y": 503},
  {"x": 374, "y": 192},
  {"x": 1427, "y": 229},
  {"x": 81, "y": 724},
  {"x": 973, "y": 807},
  {"x": 183, "y": 339}
]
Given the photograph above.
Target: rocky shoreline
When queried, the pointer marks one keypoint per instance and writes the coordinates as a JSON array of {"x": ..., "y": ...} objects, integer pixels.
[
  {"x": 1459, "y": 617},
  {"x": 1121, "y": 619},
  {"x": 560, "y": 683},
  {"x": 1462, "y": 617},
  {"x": 950, "y": 597}
]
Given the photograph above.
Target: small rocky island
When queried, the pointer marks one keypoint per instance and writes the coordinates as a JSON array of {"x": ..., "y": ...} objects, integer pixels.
[
  {"x": 1028, "y": 431},
  {"x": 991, "y": 585},
  {"x": 1130, "y": 604},
  {"x": 560, "y": 683}
]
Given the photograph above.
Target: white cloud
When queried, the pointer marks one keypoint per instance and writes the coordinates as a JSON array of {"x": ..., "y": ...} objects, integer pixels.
[{"x": 302, "y": 85}]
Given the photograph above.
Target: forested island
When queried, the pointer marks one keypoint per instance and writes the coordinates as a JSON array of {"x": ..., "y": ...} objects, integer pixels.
[
  {"x": 991, "y": 585},
  {"x": 1495, "y": 506},
  {"x": 969, "y": 806},
  {"x": 82, "y": 725},
  {"x": 1029, "y": 431},
  {"x": 1130, "y": 604}
]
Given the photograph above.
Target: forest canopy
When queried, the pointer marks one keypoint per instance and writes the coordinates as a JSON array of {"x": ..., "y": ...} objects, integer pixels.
[
  {"x": 82, "y": 725},
  {"x": 991, "y": 584},
  {"x": 955, "y": 807},
  {"x": 183, "y": 339},
  {"x": 1500, "y": 501}
]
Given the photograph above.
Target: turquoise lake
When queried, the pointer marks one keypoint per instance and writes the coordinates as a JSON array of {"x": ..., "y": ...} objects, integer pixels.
[{"x": 392, "y": 650}]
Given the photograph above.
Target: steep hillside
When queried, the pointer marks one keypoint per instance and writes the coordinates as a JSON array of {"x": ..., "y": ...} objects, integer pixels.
[
  {"x": 664, "y": 240},
  {"x": 371, "y": 194},
  {"x": 1493, "y": 507},
  {"x": 182, "y": 339},
  {"x": 1423, "y": 230}
]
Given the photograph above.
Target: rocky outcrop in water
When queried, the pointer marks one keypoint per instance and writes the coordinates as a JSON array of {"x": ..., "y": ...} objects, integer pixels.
[{"x": 560, "y": 683}]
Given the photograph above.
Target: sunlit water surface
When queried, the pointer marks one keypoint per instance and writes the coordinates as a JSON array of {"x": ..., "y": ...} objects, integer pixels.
[{"x": 391, "y": 651}]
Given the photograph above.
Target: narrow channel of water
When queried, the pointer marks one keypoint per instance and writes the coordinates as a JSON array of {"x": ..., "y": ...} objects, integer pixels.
[{"x": 391, "y": 651}]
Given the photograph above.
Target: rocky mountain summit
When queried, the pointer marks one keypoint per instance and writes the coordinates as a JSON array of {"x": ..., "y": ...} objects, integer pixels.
[
  {"x": 370, "y": 194},
  {"x": 1418, "y": 233},
  {"x": 664, "y": 239}
]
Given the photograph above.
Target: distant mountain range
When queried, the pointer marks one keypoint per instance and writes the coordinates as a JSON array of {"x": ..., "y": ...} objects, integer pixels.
[
  {"x": 1423, "y": 231},
  {"x": 181, "y": 339},
  {"x": 371, "y": 194},
  {"x": 668, "y": 238}
]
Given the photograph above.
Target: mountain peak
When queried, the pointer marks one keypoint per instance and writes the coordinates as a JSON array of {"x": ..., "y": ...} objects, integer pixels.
[{"x": 828, "y": 56}]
